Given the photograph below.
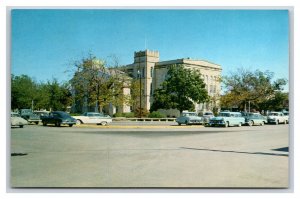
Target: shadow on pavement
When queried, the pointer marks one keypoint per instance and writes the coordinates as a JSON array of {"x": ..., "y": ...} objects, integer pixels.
[
  {"x": 253, "y": 153},
  {"x": 283, "y": 149}
]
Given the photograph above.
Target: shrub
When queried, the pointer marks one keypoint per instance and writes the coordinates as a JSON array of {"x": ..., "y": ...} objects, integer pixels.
[
  {"x": 118, "y": 115},
  {"x": 128, "y": 115},
  {"x": 156, "y": 114}
]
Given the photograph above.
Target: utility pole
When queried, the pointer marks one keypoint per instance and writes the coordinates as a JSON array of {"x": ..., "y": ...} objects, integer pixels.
[
  {"x": 249, "y": 106},
  {"x": 139, "y": 74}
]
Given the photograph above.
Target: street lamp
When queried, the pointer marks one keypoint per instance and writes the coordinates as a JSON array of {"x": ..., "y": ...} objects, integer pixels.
[{"x": 139, "y": 74}]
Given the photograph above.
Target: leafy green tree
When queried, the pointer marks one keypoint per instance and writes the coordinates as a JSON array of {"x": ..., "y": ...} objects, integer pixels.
[
  {"x": 180, "y": 90},
  {"x": 51, "y": 95},
  {"x": 94, "y": 84},
  {"x": 59, "y": 96},
  {"x": 23, "y": 91},
  {"x": 244, "y": 86},
  {"x": 278, "y": 102}
]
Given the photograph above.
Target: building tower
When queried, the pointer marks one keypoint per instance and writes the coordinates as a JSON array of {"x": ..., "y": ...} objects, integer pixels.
[{"x": 144, "y": 62}]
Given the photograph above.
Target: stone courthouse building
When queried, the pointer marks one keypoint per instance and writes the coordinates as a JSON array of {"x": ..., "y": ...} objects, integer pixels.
[{"x": 152, "y": 72}]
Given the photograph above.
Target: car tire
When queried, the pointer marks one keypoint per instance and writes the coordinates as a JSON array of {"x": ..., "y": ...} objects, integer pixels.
[
  {"x": 44, "y": 124},
  {"x": 179, "y": 124},
  {"x": 78, "y": 122},
  {"x": 21, "y": 126},
  {"x": 70, "y": 125},
  {"x": 36, "y": 123},
  {"x": 103, "y": 123},
  {"x": 251, "y": 123},
  {"x": 226, "y": 124}
]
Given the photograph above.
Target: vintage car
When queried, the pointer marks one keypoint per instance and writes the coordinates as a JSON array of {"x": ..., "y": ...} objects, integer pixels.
[
  {"x": 17, "y": 120},
  {"x": 206, "y": 116},
  {"x": 286, "y": 114},
  {"x": 277, "y": 117},
  {"x": 254, "y": 119},
  {"x": 41, "y": 114},
  {"x": 227, "y": 119},
  {"x": 189, "y": 118},
  {"x": 58, "y": 118},
  {"x": 28, "y": 115},
  {"x": 93, "y": 118}
]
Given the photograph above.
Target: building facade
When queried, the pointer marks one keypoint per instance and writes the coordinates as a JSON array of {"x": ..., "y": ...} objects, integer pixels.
[{"x": 152, "y": 72}]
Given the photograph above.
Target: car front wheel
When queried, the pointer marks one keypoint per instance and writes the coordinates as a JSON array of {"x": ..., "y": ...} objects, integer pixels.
[
  {"x": 78, "y": 122},
  {"x": 103, "y": 123},
  {"x": 251, "y": 123},
  {"x": 226, "y": 124}
]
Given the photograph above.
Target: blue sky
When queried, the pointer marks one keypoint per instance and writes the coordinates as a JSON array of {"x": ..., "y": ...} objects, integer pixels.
[{"x": 45, "y": 43}]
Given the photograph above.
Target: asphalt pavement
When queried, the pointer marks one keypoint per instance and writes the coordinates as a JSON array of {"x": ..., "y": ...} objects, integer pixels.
[{"x": 150, "y": 156}]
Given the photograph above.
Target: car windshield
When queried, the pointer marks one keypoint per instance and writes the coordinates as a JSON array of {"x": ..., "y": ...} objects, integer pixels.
[
  {"x": 208, "y": 113},
  {"x": 63, "y": 114},
  {"x": 224, "y": 114},
  {"x": 189, "y": 114},
  {"x": 14, "y": 115},
  {"x": 95, "y": 115}
]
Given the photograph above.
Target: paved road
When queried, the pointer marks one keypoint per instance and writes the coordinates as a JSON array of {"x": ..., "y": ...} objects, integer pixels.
[{"x": 169, "y": 156}]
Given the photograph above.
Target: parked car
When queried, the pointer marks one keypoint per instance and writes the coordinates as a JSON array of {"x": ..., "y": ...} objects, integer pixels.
[
  {"x": 189, "y": 118},
  {"x": 17, "y": 120},
  {"x": 41, "y": 114},
  {"x": 277, "y": 118},
  {"x": 206, "y": 116},
  {"x": 286, "y": 114},
  {"x": 28, "y": 115},
  {"x": 93, "y": 118},
  {"x": 254, "y": 119},
  {"x": 58, "y": 118},
  {"x": 227, "y": 119}
]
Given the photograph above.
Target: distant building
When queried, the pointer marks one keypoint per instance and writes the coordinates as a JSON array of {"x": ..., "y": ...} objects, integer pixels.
[{"x": 153, "y": 72}]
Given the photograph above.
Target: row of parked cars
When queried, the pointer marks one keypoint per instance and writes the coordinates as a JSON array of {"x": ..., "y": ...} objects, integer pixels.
[
  {"x": 227, "y": 118},
  {"x": 57, "y": 118}
]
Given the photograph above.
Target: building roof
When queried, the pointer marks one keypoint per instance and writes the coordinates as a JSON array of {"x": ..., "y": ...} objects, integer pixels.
[{"x": 188, "y": 61}]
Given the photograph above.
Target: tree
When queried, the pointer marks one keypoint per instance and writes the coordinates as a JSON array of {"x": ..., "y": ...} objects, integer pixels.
[
  {"x": 244, "y": 86},
  {"x": 96, "y": 85},
  {"x": 23, "y": 91},
  {"x": 59, "y": 96},
  {"x": 51, "y": 95},
  {"x": 278, "y": 102},
  {"x": 181, "y": 89}
]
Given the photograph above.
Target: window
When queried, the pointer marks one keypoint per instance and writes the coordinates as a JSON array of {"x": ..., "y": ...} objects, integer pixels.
[
  {"x": 151, "y": 92},
  {"x": 151, "y": 72}
]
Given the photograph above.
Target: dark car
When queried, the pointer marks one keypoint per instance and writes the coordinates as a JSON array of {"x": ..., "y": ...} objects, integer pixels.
[
  {"x": 28, "y": 115},
  {"x": 58, "y": 118}
]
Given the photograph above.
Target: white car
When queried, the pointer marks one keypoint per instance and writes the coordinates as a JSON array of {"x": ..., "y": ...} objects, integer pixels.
[
  {"x": 189, "y": 118},
  {"x": 93, "y": 118},
  {"x": 277, "y": 117},
  {"x": 16, "y": 120}
]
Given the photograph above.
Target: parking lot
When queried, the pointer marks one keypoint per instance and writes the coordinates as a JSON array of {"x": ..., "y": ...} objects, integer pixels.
[{"x": 150, "y": 155}]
